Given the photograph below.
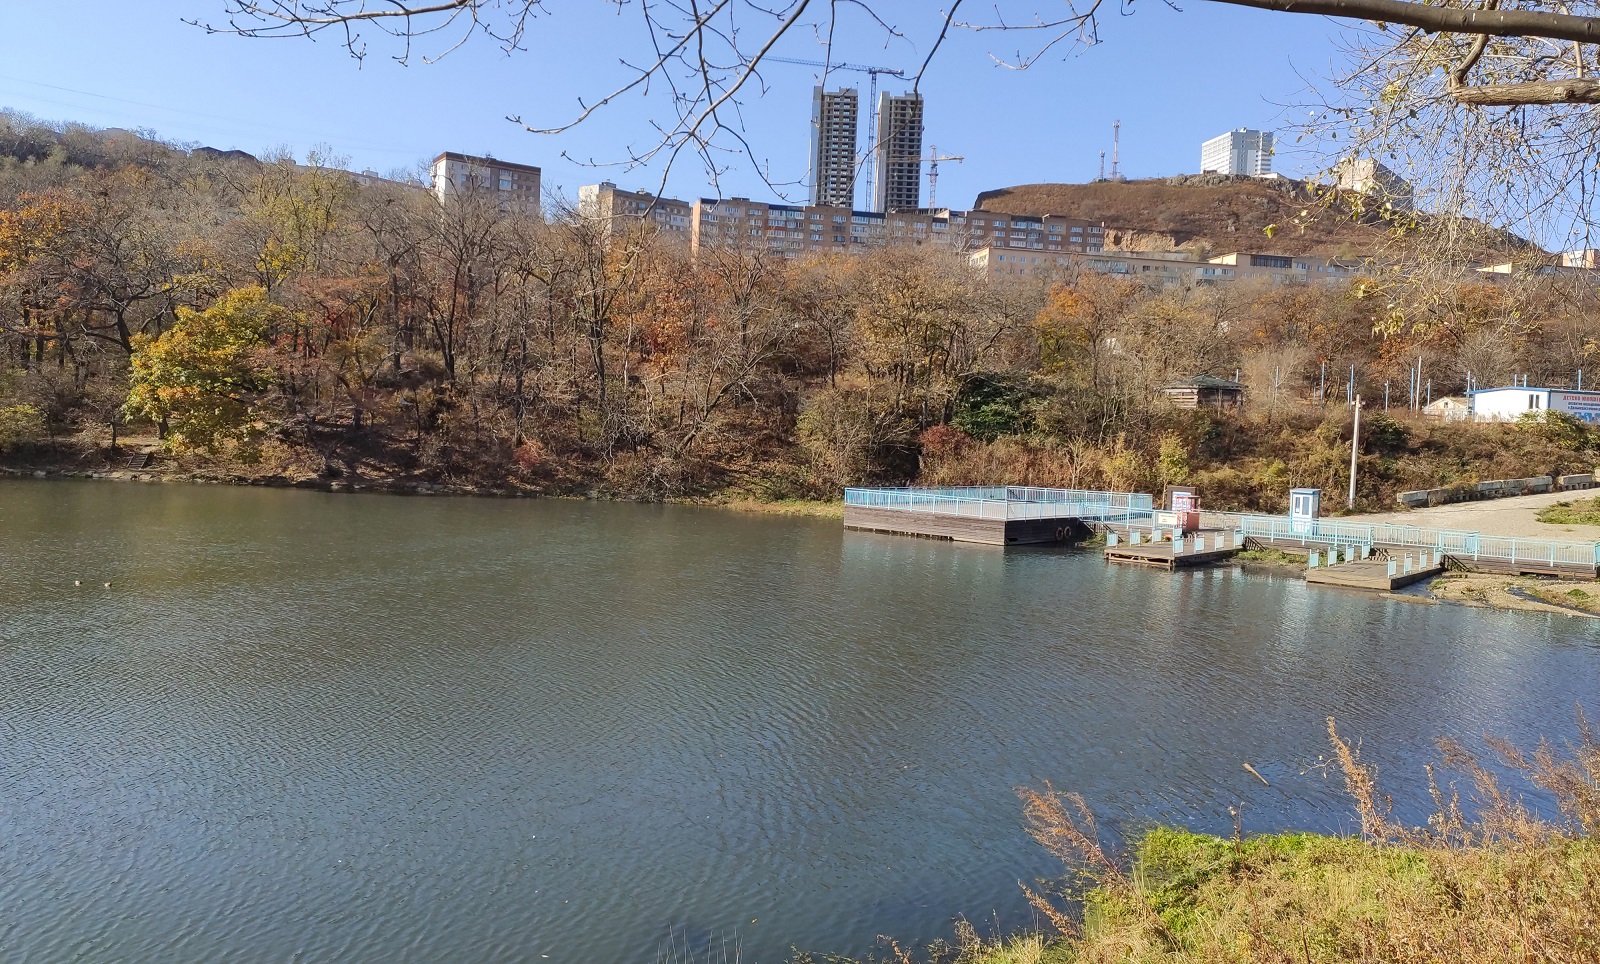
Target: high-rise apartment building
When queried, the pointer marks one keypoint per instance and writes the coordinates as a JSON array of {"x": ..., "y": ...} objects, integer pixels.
[
  {"x": 834, "y": 121},
  {"x": 515, "y": 186},
  {"x": 1237, "y": 152},
  {"x": 898, "y": 156}
]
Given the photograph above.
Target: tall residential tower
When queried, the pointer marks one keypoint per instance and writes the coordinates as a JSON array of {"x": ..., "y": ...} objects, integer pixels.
[
  {"x": 1237, "y": 152},
  {"x": 898, "y": 150},
  {"x": 833, "y": 147}
]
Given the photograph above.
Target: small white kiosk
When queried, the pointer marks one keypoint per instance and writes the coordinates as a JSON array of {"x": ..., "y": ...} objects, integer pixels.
[{"x": 1305, "y": 507}]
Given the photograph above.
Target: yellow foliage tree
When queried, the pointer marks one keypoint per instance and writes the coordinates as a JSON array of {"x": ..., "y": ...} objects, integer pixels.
[{"x": 203, "y": 375}]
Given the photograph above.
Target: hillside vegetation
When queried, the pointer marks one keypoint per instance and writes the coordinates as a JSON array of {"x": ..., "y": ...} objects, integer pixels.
[
  {"x": 284, "y": 322},
  {"x": 1217, "y": 214}
]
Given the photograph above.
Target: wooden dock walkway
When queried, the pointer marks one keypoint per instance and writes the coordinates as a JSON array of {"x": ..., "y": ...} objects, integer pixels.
[
  {"x": 1196, "y": 549},
  {"x": 957, "y": 528},
  {"x": 1379, "y": 574},
  {"x": 1138, "y": 532}
]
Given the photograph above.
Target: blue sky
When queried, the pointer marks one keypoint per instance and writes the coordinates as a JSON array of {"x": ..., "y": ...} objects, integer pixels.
[{"x": 1173, "y": 78}]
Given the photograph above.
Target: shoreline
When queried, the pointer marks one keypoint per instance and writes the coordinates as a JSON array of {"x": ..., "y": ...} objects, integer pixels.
[
  {"x": 507, "y": 490},
  {"x": 1472, "y": 590}
]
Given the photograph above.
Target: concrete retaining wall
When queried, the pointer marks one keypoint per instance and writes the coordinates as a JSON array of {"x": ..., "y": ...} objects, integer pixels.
[{"x": 1497, "y": 489}]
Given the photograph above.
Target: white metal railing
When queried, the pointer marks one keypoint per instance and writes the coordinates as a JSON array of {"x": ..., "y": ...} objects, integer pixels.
[
  {"x": 1454, "y": 542},
  {"x": 1006, "y": 502},
  {"x": 1002, "y": 502}
]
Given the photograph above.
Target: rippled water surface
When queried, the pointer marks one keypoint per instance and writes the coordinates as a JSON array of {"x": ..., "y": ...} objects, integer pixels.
[{"x": 364, "y": 728}]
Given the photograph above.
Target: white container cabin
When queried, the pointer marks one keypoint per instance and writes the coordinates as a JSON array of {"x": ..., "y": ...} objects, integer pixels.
[{"x": 1512, "y": 402}]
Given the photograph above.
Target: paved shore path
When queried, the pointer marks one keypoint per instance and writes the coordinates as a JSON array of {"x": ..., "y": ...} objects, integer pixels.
[{"x": 1514, "y": 517}]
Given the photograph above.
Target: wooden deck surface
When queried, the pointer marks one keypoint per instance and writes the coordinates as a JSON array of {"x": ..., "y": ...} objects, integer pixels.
[
  {"x": 1160, "y": 555},
  {"x": 935, "y": 525},
  {"x": 1370, "y": 574}
]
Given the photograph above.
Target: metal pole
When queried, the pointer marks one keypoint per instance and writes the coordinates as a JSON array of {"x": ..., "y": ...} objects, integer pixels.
[
  {"x": 1322, "y": 387},
  {"x": 1355, "y": 442},
  {"x": 1580, "y": 379},
  {"x": 1385, "y": 396},
  {"x": 1430, "y": 391},
  {"x": 1350, "y": 389}
]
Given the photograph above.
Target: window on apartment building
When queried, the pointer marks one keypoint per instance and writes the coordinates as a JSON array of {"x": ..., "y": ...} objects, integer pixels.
[{"x": 838, "y": 219}]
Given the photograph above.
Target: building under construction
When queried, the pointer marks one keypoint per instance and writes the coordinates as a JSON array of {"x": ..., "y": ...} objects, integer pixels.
[
  {"x": 898, "y": 185},
  {"x": 834, "y": 119}
]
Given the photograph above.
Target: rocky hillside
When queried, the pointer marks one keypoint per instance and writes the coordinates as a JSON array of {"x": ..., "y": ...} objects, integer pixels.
[{"x": 1216, "y": 214}]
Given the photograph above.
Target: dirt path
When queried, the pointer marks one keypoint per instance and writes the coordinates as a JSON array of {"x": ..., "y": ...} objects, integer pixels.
[
  {"x": 1500, "y": 517},
  {"x": 1526, "y": 593}
]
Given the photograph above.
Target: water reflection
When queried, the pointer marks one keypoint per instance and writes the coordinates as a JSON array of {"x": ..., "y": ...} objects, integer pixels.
[{"x": 369, "y": 728}]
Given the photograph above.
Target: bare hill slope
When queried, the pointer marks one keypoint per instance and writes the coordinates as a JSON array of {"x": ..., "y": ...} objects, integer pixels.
[{"x": 1214, "y": 213}]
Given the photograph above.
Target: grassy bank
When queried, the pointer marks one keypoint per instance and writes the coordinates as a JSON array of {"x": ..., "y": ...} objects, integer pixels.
[
  {"x": 1301, "y": 897},
  {"x": 1582, "y": 512},
  {"x": 1489, "y": 880}
]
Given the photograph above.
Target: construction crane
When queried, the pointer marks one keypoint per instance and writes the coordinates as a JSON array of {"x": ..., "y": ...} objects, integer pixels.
[
  {"x": 932, "y": 160},
  {"x": 872, "y": 100}
]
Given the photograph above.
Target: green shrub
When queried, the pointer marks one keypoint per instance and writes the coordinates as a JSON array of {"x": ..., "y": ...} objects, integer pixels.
[
  {"x": 991, "y": 405},
  {"x": 20, "y": 425}
]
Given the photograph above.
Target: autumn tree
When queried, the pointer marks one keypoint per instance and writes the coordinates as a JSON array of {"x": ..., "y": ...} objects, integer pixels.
[{"x": 203, "y": 377}]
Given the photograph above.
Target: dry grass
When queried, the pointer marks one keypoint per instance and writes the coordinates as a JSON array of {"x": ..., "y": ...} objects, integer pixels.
[
  {"x": 789, "y": 507},
  {"x": 1488, "y": 879}
]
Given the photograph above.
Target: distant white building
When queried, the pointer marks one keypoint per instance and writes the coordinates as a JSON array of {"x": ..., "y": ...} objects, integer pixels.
[
  {"x": 1510, "y": 403},
  {"x": 1238, "y": 152},
  {"x": 1452, "y": 408}
]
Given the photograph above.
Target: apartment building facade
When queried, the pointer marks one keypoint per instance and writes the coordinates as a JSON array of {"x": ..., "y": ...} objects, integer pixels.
[
  {"x": 1161, "y": 269},
  {"x": 834, "y": 121},
  {"x": 514, "y": 186},
  {"x": 897, "y": 184},
  {"x": 1242, "y": 151},
  {"x": 614, "y": 206},
  {"x": 795, "y": 230}
]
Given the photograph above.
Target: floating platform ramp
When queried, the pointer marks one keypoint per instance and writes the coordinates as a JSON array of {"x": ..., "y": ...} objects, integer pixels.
[
  {"x": 1371, "y": 572},
  {"x": 1011, "y": 515},
  {"x": 1171, "y": 550}
]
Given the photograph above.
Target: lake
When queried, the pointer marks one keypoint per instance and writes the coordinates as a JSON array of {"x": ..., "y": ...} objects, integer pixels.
[{"x": 373, "y": 728}]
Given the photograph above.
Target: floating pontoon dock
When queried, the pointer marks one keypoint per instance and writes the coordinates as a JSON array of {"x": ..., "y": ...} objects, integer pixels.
[{"x": 1023, "y": 515}]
